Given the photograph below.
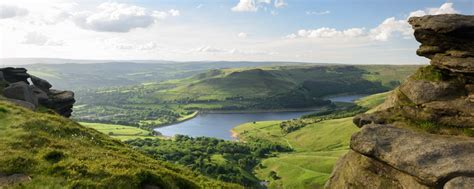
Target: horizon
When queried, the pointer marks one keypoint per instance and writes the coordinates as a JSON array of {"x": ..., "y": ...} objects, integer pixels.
[{"x": 201, "y": 31}]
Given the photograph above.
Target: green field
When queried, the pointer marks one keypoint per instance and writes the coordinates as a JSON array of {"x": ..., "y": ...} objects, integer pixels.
[
  {"x": 316, "y": 146},
  {"x": 120, "y": 132},
  {"x": 316, "y": 149}
]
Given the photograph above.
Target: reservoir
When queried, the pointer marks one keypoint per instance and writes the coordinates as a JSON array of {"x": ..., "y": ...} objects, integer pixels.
[{"x": 218, "y": 125}]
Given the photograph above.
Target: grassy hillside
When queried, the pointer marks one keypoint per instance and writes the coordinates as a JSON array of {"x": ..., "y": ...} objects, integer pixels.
[
  {"x": 55, "y": 152},
  {"x": 316, "y": 147}
]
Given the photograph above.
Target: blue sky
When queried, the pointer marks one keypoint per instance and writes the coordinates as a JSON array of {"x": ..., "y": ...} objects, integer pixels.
[{"x": 350, "y": 31}]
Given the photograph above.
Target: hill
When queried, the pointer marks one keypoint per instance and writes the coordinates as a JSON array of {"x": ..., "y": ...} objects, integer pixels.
[
  {"x": 316, "y": 147},
  {"x": 80, "y": 75},
  {"x": 43, "y": 150}
]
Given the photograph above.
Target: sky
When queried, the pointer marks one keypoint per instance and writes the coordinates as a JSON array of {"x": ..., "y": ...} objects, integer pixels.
[{"x": 320, "y": 31}]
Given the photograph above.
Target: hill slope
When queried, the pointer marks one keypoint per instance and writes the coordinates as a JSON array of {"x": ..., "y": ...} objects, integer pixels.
[{"x": 46, "y": 150}]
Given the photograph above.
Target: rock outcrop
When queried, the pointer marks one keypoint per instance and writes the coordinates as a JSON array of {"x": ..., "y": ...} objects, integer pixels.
[
  {"x": 14, "y": 85},
  {"x": 423, "y": 136}
]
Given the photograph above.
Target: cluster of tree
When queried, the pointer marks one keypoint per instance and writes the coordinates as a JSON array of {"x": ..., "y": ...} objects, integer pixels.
[
  {"x": 127, "y": 115},
  {"x": 228, "y": 161},
  {"x": 334, "y": 112}
]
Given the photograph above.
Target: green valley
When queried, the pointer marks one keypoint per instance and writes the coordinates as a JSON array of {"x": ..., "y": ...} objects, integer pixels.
[{"x": 277, "y": 88}]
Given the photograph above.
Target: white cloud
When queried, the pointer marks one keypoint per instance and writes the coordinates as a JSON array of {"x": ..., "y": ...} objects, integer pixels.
[
  {"x": 233, "y": 51},
  {"x": 35, "y": 38},
  {"x": 389, "y": 27},
  {"x": 325, "y": 32},
  {"x": 117, "y": 17},
  {"x": 245, "y": 6},
  {"x": 383, "y": 32},
  {"x": 199, "y": 6},
  {"x": 392, "y": 26},
  {"x": 174, "y": 12},
  {"x": 280, "y": 3},
  {"x": 10, "y": 11},
  {"x": 242, "y": 35},
  {"x": 446, "y": 8},
  {"x": 318, "y": 13},
  {"x": 254, "y": 5}
]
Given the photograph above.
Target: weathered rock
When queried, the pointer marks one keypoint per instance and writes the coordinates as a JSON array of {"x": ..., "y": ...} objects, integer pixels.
[
  {"x": 41, "y": 83},
  {"x": 13, "y": 75},
  {"x": 446, "y": 39},
  {"x": 40, "y": 95},
  {"x": 366, "y": 119},
  {"x": 421, "y": 91},
  {"x": 61, "y": 101},
  {"x": 20, "y": 91},
  {"x": 22, "y": 103},
  {"x": 432, "y": 159},
  {"x": 453, "y": 64},
  {"x": 460, "y": 183},
  {"x": 355, "y": 170}
]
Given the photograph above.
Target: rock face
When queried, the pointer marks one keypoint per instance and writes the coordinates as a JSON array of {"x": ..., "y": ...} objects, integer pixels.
[
  {"x": 423, "y": 136},
  {"x": 17, "y": 89}
]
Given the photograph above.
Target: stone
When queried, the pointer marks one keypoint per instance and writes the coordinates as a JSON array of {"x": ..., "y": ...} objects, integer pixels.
[
  {"x": 366, "y": 119},
  {"x": 20, "y": 91},
  {"x": 22, "y": 103},
  {"x": 460, "y": 183},
  {"x": 41, "y": 83},
  {"x": 39, "y": 94},
  {"x": 453, "y": 64},
  {"x": 445, "y": 23},
  {"x": 61, "y": 102},
  {"x": 428, "y": 157},
  {"x": 355, "y": 170},
  {"x": 421, "y": 91},
  {"x": 13, "y": 75}
]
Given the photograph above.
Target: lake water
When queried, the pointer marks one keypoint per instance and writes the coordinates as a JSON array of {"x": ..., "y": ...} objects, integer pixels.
[{"x": 219, "y": 125}]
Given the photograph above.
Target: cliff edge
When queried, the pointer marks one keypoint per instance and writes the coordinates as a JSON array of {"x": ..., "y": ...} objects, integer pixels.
[{"x": 422, "y": 136}]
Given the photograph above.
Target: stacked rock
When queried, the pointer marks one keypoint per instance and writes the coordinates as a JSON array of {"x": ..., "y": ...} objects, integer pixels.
[
  {"x": 16, "y": 88},
  {"x": 390, "y": 151},
  {"x": 443, "y": 92}
]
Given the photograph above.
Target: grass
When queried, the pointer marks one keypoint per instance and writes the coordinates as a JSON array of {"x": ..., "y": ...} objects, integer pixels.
[
  {"x": 59, "y": 153},
  {"x": 120, "y": 132},
  {"x": 317, "y": 147},
  {"x": 373, "y": 100}
]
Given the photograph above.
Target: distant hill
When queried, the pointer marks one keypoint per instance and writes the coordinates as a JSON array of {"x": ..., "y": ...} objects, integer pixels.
[
  {"x": 92, "y": 74},
  {"x": 43, "y": 150},
  {"x": 282, "y": 83}
]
